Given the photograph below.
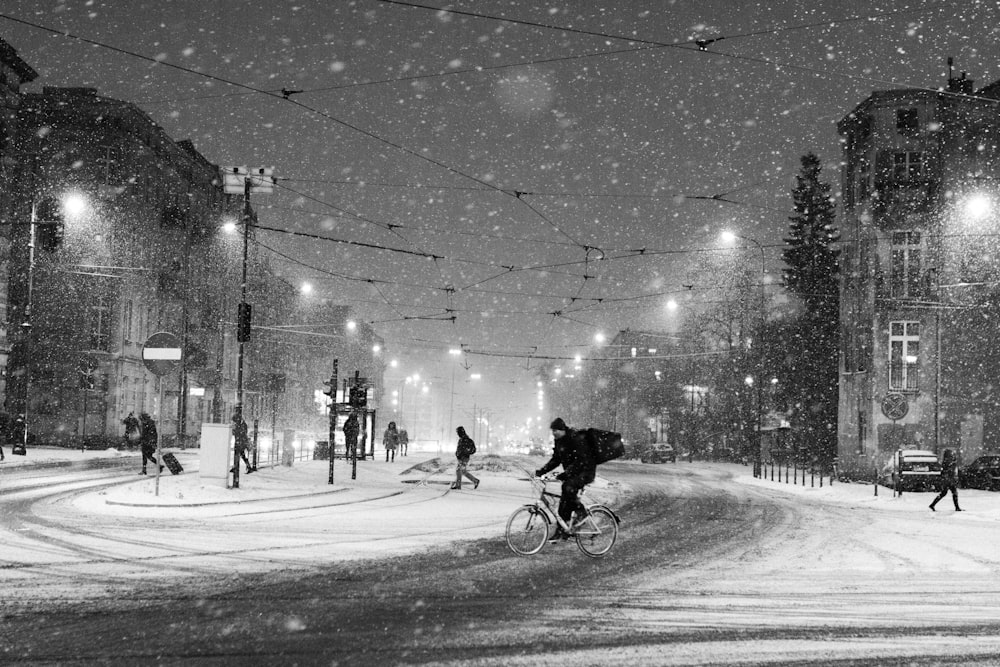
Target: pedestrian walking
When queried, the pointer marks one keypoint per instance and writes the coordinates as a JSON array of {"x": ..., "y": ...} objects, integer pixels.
[
  {"x": 390, "y": 440},
  {"x": 147, "y": 441},
  {"x": 241, "y": 441},
  {"x": 948, "y": 479},
  {"x": 351, "y": 430},
  {"x": 132, "y": 431},
  {"x": 404, "y": 442},
  {"x": 466, "y": 448}
]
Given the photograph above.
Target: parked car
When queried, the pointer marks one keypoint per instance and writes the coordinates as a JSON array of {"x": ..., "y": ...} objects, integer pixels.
[
  {"x": 659, "y": 452},
  {"x": 916, "y": 470},
  {"x": 983, "y": 473}
]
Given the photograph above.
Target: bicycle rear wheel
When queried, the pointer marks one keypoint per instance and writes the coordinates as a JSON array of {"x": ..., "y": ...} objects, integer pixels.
[
  {"x": 596, "y": 534},
  {"x": 527, "y": 530}
]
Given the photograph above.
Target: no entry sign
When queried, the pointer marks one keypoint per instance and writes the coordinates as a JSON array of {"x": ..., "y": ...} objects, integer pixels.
[{"x": 161, "y": 353}]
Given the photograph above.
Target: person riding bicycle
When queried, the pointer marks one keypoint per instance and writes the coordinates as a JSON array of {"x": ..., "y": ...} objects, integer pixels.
[{"x": 572, "y": 451}]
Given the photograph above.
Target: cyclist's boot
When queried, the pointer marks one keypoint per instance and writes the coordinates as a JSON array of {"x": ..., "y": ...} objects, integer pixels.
[{"x": 559, "y": 536}]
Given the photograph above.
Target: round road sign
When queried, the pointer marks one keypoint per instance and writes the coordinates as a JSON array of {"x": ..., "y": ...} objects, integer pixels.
[
  {"x": 161, "y": 353},
  {"x": 895, "y": 406}
]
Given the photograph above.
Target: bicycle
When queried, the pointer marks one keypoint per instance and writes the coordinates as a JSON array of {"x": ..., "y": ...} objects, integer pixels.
[{"x": 530, "y": 526}]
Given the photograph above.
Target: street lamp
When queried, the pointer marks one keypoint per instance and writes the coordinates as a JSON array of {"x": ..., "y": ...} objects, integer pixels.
[{"x": 729, "y": 237}]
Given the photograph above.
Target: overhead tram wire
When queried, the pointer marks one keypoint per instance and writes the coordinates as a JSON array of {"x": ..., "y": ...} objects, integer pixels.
[
  {"x": 701, "y": 44},
  {"x": 545, "y": 61},
  {"x": 284, "y": 98}
]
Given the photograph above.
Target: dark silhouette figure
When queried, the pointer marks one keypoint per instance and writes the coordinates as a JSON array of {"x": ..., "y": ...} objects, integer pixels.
[
  {"x": 466, "y": 448},
  {"x": 351, "y": 431},
  {"x": 133, "y": 432},
  {"x": 241, "y": 441},
  {"x": 949, "y": 479},
  {"x": 147, "y": 441},
  {"x": 390, "y": 440},
  {"x": 573, "y": 453},
  {"x": 404, "y": 442}
]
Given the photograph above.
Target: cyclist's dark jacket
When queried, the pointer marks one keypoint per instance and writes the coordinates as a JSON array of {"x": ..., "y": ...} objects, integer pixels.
[{"x": 573, "y": 453}]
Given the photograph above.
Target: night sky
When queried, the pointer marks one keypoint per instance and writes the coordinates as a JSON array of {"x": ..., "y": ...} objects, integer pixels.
[{"x": 562, "y": 161}]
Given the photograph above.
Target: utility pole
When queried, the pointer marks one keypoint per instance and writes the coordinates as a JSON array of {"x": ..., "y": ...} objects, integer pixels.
[
  {"x": 234, "y": 181},
  {"x": 332, "y": 393}
]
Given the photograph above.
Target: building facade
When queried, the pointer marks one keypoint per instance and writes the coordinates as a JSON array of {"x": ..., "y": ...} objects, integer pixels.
[
  {"x": 119, "y": 234},
  {"x": 919, "y": 280},
  {"x": 14, "y": 73}
]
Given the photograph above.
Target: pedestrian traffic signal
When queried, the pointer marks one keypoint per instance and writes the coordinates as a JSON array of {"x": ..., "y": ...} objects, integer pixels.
[
  {"x": 331, "y": 389},
  {"x": 49, "y": 224},
  {"x": 243, "y": 323}
]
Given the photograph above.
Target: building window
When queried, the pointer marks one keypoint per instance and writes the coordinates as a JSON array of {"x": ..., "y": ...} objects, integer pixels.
[
  {"x": 100, "y": 326},
  {"x": 864, "y": 180},
  {"x": 127, "y": 320},
  {"x": 904, "y": 353},
  {"x": 907, "y": 166},
  {"x": 905, "y": 270},
  {"x": 907, "y": 122}
]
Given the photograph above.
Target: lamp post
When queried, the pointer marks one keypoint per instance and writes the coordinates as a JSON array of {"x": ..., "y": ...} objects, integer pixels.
[
  {"x": 236, "y": 180},
  {"x": 451, "y": 404},
  {"x": 758, "y": 383}
]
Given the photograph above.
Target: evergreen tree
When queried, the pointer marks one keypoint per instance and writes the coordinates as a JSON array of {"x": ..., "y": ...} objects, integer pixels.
[
  {"x": 812, "y": 276},
  {"x": 810, "y": 256}
]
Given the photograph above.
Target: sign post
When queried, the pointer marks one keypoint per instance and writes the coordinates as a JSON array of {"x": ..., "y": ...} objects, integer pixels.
[{"x": 161, "y": 354}]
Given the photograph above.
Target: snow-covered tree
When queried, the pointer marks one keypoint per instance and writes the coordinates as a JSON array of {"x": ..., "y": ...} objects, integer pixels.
[{"x": 811, "y": 257}]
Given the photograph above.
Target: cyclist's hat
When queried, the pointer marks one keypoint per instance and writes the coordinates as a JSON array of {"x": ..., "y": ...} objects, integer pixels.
[{"x": 558, "y": 425}]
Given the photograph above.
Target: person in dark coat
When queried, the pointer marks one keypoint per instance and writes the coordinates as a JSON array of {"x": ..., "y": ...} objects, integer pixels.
[
  {"x": 948, "y": 480},
  {"x": 241, "y": 441},
  {"x": 351, "y": 431},
  {"x": 572, "y": 451},
  {"x": 404, "y": 442},
  {"x": 466, "y": 448},
  {"x": 390, "y": 440},
  {"x": 132, "y": 431},
  {"x": 147, "y": 441}
]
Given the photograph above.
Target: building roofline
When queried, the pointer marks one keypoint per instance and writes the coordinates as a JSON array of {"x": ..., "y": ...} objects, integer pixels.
[{"x": 8, "y": 55}]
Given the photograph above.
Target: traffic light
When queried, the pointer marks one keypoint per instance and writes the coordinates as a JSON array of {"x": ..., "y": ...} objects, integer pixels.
[
  {"x": 359, "y": 397},
  {"x": 331, "y": 389},
  {"x": 49, "y": 224},
  {"x": 243, "y": 323}
]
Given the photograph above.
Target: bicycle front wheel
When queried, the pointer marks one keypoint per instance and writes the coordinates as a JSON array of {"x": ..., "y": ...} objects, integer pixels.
[
  {"x": 527, "y": 530},
  {"x": 596, "y": 534}
]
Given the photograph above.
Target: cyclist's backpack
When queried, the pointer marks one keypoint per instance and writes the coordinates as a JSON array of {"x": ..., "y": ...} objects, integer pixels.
[{"x": 605, "y": 445}]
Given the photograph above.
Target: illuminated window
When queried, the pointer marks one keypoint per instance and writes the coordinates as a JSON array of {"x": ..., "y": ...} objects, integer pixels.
[{"x": 904, "y": 354}]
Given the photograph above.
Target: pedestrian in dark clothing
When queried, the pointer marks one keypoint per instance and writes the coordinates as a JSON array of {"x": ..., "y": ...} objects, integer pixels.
[
  {"x": 404, "y": 442},
  {"x": 132, "y": 431},
  {"x": 241, "y": 441},
  {"x": 147, "y": 441},
  {"x": 572, "y": 451},
  {"x": 390, "y": 440},
  {"x": 948, "y": 479},
  {"x": 466, "y": 448},
  {"x": 351, "y": 430}
]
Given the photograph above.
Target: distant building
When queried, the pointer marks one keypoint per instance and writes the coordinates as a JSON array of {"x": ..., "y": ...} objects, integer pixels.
[
  {"x": 920, "y": 367},
  {"x": 14, "y": 72}
]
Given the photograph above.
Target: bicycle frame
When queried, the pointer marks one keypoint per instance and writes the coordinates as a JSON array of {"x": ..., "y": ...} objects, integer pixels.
[
  {"x": 530, "y": 526},
  {"x": 579, "y": 526}
]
